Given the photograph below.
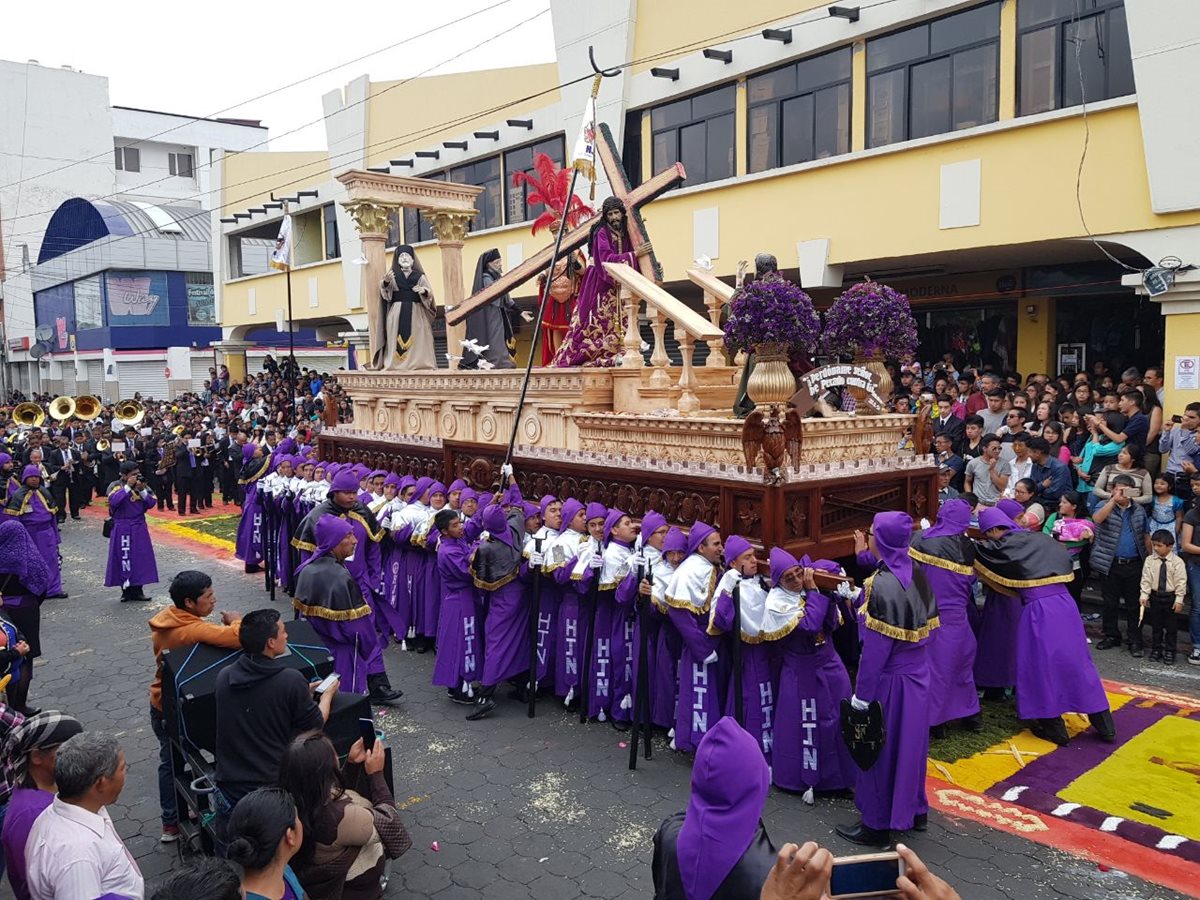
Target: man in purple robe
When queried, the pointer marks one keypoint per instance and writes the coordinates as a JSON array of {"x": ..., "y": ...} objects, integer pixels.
[
  {"x": 718, "y": 849},
  {"x": 996, "y": 656},
  {"x": 808, "y": 753},
  {"x": 690, "y": 596},
  {"x": 572, "y": 629},
  {"x": 460, "y": 638},
  {"x": 34, "y": 508},
  {"x": 537, "y": 546},
  {"x": 758, "y": 685},
  {"x": 23, "y": 581},
  {"x": 948, "y": 556},
  {"x": 329, "y": 597},
  {"x": 1055, "y": 673},
  {"x": 251, "y": 533},
  {"x": 662, "y": 561},
  {"x": 898, "y": 613},
  {"x": 363, "y": 564},
  {"x": 496, "y": 568},
  {"x": 131, "y": 563}
]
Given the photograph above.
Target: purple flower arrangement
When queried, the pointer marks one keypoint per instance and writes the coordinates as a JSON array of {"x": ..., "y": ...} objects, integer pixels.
[
  {"x": 772, "y": 312},
  {"x": 870, "y": 318}
]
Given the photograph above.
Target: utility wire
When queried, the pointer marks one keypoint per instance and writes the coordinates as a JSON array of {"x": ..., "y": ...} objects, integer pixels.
[{"x": 731, "y": 36}]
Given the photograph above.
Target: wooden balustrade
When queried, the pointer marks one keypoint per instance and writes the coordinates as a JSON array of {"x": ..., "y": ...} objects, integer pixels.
[{"x": 690, "y": 327}]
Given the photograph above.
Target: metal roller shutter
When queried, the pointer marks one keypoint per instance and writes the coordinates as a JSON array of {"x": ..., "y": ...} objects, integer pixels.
[
  {"x": 95, "y": 373},
  {"x": 144, "y": 376}
]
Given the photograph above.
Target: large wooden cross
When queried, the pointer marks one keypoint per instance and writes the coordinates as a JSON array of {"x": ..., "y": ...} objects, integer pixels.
[{"x": 634, "y": 199}]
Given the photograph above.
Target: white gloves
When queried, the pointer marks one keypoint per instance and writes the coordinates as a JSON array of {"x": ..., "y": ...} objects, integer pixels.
[
  {"x": 536, "y": 559},
  {"x": 849, "y": 593},
  {"x": 925, "y": 523},
  {"x": 596, "y": 561},
  {"x": 637, "y": 560},
  {"x": 711, "y": 658},
  {"x": 860, "y": 705},
  {"x": 506, "y": 470},
  {"x": 484, "y": 535},
  {"x": 728, "y": 581}
]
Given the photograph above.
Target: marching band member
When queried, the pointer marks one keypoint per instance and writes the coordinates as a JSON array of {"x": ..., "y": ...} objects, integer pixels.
[{"x": 131, "y": 563}]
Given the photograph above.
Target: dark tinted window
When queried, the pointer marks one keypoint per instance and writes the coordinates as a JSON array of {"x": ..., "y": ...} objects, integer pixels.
[
  {"x": 1069, "y": 55},
  {"x": 800, "y": 112},
  {"x": 934, "y": 78},
  {"x": 697, "y": 131}
]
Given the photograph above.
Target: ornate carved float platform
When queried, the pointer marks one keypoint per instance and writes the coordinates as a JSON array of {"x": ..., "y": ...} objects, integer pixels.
[{"x": 571, "y": 442}]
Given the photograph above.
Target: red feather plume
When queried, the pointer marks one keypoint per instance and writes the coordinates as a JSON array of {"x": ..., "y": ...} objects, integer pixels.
[{"x": 548, "y": 185}]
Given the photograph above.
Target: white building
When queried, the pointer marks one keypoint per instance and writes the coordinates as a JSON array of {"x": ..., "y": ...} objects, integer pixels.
[{"x": 61, "y": 138}]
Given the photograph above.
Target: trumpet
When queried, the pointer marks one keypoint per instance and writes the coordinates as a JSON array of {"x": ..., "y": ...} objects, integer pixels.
[{"x": 102, "y": 446}]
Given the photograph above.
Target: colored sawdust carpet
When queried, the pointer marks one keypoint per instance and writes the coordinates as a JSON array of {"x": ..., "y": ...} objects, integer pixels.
[{"x": 1144, "y": 789}]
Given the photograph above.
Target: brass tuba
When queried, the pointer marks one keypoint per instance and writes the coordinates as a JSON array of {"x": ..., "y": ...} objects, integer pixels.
[
  {"x": 102, "y": 445},
  {"x": 87, "y": 407},
  {"x": 62, "y": 408},
  {"x": 129, "y": 413},
  {"x": 28, "y": 415}
]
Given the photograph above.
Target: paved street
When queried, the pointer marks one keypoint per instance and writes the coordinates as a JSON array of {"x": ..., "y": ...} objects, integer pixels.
[{"x": 516, "y": 808}]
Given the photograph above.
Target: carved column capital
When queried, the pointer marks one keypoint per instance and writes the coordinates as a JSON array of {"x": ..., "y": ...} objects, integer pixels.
[
  {"x": 450, "y": 226},
  {"x": 370, "y": 216}
]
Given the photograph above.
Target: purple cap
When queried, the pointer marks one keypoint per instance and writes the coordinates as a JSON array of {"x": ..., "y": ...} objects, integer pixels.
[
  {"x": 1010, "y": 507},
  {"x": 457, "y": 485},
  {"x": 730, "y": 783},
  {"x": 699, "y": 531},
  {"x": 345, "y": 480},
  {"x": 529, "y": 509},
  {"x": 393, "y": 479},
  {"x": 248, "y": 449},
  {"x": 423, "y": 484},
  {"x": 675, "y": 542},
  {"x": 379, "y": 473},
  {"x": 331, "y": 531},
  {"x": 614, "y": 516},
  {"x": 406, "y": 482},
  {"x": 5, "y": 459},
  {"x": 953, "y": 518},
  {"x": 467, "y": 494},
  {"x": 31, "y": 471},
  {"x": 596, "y": 511},
  {"x": 781, "y": 561},
  {"x": 436, "y": 488},
  {"x": 994, "y": 517},
  {"x": 545, "y": 502},
  {"x": 571, "y": 508},
  {"x": 651, "y": 522},
  {"x": 496, "y": 524},
  {"x": 893, "y": 534},
  {"x": 735, "y": 546}
]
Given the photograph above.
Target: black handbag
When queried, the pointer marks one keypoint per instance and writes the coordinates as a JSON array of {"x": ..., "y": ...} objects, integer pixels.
[{"x": 106, "y": 528}]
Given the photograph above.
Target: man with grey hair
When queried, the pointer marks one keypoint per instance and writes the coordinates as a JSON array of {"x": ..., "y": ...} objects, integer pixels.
[{"x": 73, "y": 851}]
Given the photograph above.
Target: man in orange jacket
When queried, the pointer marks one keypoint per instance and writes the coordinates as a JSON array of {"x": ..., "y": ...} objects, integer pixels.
[{"x": 176, "y": 626}]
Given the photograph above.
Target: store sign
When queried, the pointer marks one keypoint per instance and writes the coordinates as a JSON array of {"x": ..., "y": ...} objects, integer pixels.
[
  {"x": 822, "y": 380},
  {"x": 137, "y": 298},
  {"x": 201, "y": 304}
]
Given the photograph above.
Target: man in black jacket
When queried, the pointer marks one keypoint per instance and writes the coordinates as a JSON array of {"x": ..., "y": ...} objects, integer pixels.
[
  {"x": 262, "y": 704},
  {"x": 185, "y": 473}
]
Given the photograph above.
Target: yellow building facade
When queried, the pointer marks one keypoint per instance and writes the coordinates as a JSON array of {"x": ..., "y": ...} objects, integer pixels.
[{"x": 961, "y": 151}]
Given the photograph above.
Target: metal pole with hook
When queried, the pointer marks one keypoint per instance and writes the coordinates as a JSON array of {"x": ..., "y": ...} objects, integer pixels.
[{"x": 600, "y": 75}]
